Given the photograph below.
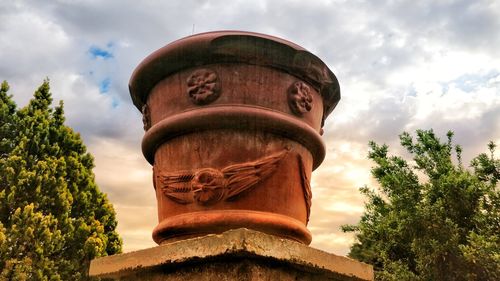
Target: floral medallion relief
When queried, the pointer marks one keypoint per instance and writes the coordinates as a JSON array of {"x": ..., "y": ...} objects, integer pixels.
[
  {"x": 300, "y": 98},
  {"x": 203, "y": 86}
]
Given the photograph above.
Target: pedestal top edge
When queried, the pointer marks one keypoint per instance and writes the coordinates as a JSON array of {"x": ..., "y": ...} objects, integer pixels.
[{"x": 237, "y": 242}]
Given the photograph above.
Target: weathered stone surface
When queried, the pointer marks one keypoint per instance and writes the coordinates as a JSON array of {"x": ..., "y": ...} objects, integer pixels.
[{"x": 240, "y": 254}]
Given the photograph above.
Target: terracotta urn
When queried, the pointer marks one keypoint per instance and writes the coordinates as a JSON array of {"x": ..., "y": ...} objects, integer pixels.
[{"x": 233, "y": 123}]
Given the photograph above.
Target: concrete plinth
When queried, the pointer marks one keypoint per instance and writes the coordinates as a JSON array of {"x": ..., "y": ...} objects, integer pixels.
[{"x": 239, "y": 254}]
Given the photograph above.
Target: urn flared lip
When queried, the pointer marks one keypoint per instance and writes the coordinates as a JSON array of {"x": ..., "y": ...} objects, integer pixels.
[{"x": 234, "y": 47}]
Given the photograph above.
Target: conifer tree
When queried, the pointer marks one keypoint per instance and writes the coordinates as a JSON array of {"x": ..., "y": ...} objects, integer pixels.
[
  {"x": 53, "y": 218},
  {"x": 432, "y": 218}
]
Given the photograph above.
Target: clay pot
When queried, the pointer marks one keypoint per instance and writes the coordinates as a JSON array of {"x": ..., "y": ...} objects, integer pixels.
[{"x": 233, "y": 123}]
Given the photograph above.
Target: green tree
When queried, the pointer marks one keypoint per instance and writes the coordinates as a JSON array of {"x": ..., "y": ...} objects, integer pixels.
[
  {"x": 53, "y": 218},
  {"x": 431, "y": 218}
]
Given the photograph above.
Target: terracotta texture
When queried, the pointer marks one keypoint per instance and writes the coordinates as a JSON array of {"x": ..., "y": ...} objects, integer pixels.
[
  {"x": 233, "y": 123},
  {"x": 240, "y": 254}
]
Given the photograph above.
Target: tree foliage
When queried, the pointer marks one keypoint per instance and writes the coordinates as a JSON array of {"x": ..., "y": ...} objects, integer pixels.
[
  {"x": 53, "y": 218},
  {"x": 431, "y": 219}
]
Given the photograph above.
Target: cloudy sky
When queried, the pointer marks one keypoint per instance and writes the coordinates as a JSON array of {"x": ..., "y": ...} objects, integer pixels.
[{"x": 402, "y": 65}]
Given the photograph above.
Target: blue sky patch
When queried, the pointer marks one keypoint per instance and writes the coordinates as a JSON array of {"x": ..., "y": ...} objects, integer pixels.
[
  {"x": 115, "y": 103},
  {"x": 104, "y": 85},
  {"x": 97, "y": 52},
  {"x": 470, "y": 82}
]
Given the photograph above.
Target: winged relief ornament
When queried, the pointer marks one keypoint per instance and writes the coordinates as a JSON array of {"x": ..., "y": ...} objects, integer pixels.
[{"x": 207, "y": 186}]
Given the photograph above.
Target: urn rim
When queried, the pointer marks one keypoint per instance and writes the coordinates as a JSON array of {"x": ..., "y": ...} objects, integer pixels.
[{"x": 234, "y": 47}]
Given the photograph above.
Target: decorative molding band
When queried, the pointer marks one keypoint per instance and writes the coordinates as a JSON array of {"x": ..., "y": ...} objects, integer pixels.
[
  {"x": 176, "y": 227},
  {"x": 238, "y": 117}
]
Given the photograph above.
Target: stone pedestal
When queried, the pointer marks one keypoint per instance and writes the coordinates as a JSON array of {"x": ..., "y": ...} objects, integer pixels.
[{"x": 239, "y": 254}]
